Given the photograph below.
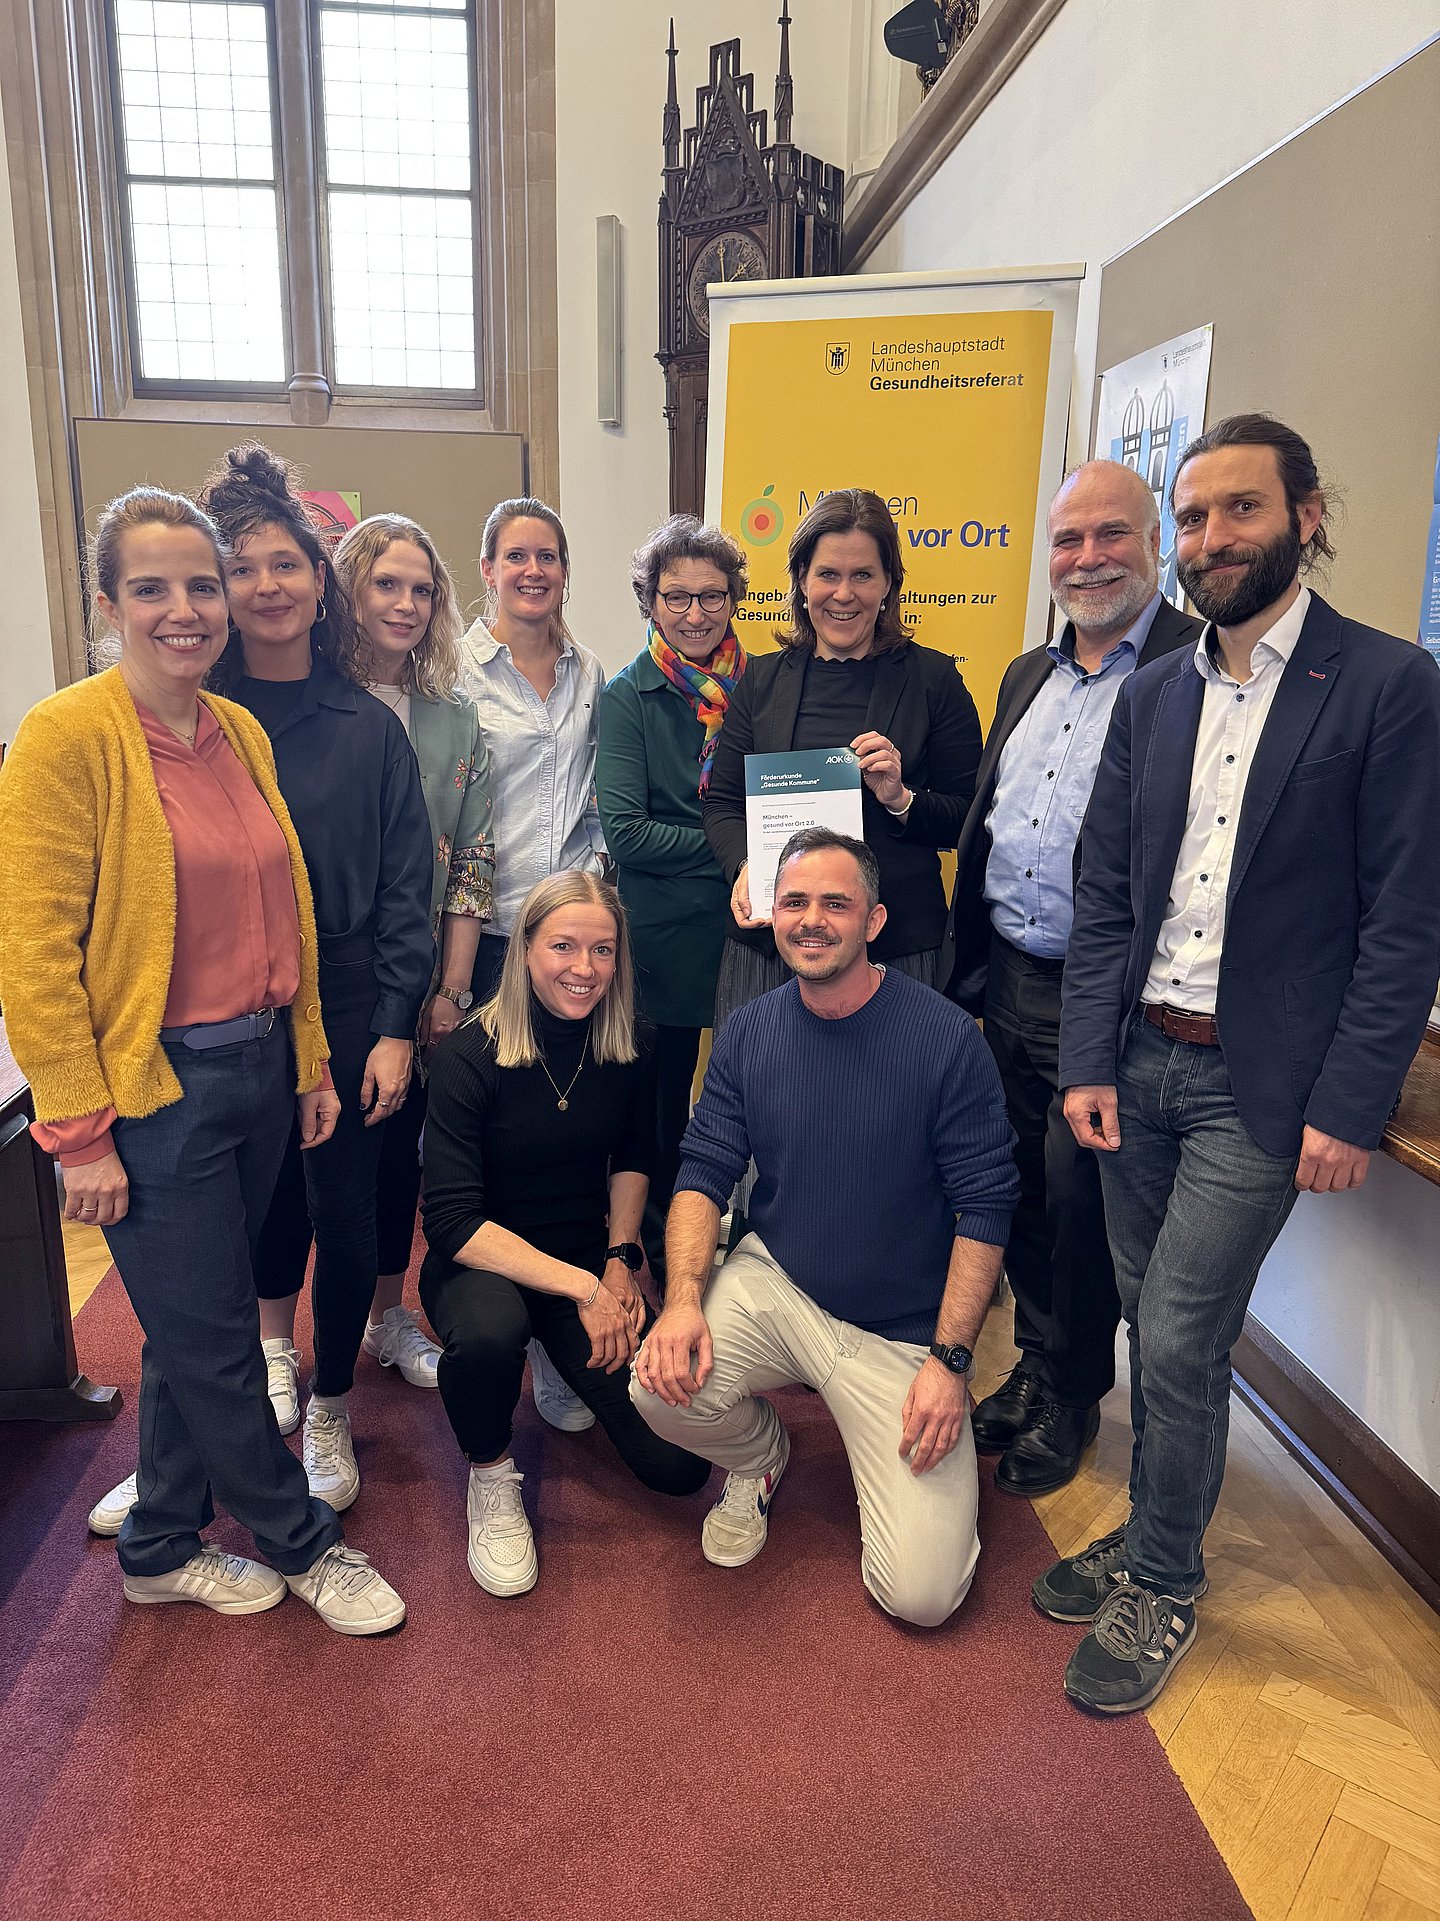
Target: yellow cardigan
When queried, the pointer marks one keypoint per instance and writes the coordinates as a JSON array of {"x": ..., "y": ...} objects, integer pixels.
[{"x": 87, "y": 903}]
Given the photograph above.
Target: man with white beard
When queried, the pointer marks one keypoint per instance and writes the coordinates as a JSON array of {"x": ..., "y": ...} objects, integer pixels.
[{"x": 1014, "y": 901}]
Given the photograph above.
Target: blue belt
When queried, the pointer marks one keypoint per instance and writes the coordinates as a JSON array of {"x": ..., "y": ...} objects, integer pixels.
[{"x": 244, "y": 1027}]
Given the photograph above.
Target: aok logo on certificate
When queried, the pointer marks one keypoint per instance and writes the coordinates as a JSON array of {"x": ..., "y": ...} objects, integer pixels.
[{"x": 785, "y": 792}]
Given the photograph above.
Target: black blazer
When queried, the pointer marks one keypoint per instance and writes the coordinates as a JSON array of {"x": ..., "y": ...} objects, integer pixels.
[
  {"x": 1024, "y": 677},
  {"x": 1332, "y": 914},
  {"x": 921, "y": 704}
]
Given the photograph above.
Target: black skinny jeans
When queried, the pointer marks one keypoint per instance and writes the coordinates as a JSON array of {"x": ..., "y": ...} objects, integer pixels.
[
  {"x": 677, "y": 1049},
  {"x": 328, "y": 1193},
  {"x": 484, "y": 1322},
  {"x": 397, "y": 1190}
]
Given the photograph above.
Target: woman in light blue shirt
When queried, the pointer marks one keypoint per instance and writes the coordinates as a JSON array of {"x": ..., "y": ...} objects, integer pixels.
[{"x": 538, "y": 694}]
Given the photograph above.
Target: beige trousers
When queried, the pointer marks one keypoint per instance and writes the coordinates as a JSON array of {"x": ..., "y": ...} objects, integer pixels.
[{"x": 918, "y": 1542}]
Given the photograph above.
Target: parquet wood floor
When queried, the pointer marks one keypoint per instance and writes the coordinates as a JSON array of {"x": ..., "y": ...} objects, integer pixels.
[{"x": 1305, "y": 1723}]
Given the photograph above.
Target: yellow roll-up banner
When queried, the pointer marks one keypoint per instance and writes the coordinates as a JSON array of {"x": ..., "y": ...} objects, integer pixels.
[{"x": 947, "y": 397}]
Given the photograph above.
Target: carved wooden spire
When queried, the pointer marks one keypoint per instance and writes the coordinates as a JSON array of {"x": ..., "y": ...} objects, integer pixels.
[
  {"x": 670, "y": 125},
  {"x": 784, "y": 85}
]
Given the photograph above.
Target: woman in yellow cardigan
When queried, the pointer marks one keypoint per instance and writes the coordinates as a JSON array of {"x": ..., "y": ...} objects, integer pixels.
[{"x": 157, "y": 928}]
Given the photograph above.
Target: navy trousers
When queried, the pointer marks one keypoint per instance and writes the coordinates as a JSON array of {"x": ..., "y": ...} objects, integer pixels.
[{"x": 201, "y": 1173}]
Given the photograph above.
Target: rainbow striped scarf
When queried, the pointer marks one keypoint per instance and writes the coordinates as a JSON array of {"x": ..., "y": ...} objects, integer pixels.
[{"x": 707, "y": 688}]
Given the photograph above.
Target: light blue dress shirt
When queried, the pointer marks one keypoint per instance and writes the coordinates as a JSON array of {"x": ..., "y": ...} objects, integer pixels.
[{"x": 1042, "y": 788}]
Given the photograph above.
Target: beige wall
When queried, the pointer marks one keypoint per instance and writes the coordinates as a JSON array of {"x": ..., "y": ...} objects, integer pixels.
[{"x": 27, "y": 670}]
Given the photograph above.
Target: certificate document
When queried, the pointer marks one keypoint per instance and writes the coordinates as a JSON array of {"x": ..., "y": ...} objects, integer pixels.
[{"x": 785, "y": 792}]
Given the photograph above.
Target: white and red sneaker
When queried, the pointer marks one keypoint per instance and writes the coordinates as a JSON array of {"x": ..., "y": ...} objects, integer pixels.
[{"x": 735, "y": 1528}]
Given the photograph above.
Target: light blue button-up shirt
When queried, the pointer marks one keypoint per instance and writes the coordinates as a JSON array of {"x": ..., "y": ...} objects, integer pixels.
[
  {"x": 1042, "y": 788},
  {"x": 542, "y": 765}
]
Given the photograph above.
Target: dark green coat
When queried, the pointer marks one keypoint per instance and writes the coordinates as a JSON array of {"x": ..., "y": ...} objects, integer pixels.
[{"x": 647, "y": 777}]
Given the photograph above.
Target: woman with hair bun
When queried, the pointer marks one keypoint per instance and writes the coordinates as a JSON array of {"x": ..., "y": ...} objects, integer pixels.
[
  {"x": 660, "y": 721},
  {"x": 538, "y": 1149},
  {"x": 296, "y": 660},
  {"x": 849, "y": 675},
  {"x": 158, "y": 969},
  {"x": 405, "y": 604}
]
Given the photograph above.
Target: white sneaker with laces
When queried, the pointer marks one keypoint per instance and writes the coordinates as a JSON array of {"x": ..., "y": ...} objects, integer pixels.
[
  {"x": 282, "y": 1381},
  {"x": 107, "y": 1517},
  {"x": 329, "y": 1456},
  {"x": 502, "y": 1548},
  {"x": 735, "y": 1528},
  {"x": 399, "y": 1341},
  {"x": 226, "y": 1583},
  {"x": 347, "y": 1593},
  {"x": 554, "y": 1400}
]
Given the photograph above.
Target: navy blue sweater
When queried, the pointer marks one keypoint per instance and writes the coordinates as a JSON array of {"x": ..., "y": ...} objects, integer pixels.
[{"x": 877, "y": 1139}]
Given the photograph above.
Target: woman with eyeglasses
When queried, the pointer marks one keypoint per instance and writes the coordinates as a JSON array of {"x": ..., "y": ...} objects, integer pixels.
[{"x": 659, "y": 722}]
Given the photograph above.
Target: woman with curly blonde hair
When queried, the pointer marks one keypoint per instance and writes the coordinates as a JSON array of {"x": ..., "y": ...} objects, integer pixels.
[{"x": 408, "y": 656}]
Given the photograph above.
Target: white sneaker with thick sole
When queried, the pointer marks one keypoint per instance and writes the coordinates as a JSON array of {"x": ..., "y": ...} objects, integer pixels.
[
  {"x": 554, "y": 1401},
  {"x": 282, "y": 1380},
  {"x": 226, "y": 1583},
  {"x": 399, "y": 1341},
  {"x": 502, "y": 1548},
  {"x": 347, "y": 1593},
  {"x": 329, "y": 1456},
  {"x": 107, "y": 1517},
  {"x": 735, "y": 1528}
]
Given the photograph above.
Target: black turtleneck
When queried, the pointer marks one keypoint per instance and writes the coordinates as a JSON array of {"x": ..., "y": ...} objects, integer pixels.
[{"x": 498, "y": 1148}]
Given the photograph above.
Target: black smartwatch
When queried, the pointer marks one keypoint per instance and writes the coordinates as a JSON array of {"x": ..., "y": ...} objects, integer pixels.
[
  {"x": 632, "y": 1253},
  {"x": 958, "y": 1359}
]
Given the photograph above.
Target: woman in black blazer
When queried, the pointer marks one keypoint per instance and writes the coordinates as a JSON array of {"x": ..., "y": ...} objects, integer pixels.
[{"x": 848, "y": 674}]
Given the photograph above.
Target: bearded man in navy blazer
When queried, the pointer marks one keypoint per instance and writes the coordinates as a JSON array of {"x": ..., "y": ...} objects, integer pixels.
[{"x": 1254, "y": 955}]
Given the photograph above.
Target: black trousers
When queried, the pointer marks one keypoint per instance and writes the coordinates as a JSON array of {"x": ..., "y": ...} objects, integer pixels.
[
  {"x": 485, "y": 1322},
  {"x": 328, "y": 1193},
  {"x": 397, "y": 1187},
  {"x": 1058, "y": 1258},
  {"x": 677, "y": 1050}
]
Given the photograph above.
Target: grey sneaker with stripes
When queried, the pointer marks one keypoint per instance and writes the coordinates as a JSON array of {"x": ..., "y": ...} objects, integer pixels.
[{"x": 1131, "y": 1650}]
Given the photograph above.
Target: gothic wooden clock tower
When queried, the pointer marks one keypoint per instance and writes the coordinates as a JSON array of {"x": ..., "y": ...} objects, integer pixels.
[{"x": 733, "y": 208}]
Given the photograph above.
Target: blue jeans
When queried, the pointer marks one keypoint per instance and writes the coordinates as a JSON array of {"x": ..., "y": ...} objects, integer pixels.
[
  {"x": 200, "y": 1174},
  {"x": 1193, "y": 1207}
]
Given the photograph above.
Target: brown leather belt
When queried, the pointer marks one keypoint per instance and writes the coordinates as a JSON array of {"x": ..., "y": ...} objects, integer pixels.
[{"x": 1176, "y": 1025}]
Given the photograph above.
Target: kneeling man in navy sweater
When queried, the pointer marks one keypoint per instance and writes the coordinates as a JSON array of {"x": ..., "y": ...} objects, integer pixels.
[{"x": 885, "y": 1182}]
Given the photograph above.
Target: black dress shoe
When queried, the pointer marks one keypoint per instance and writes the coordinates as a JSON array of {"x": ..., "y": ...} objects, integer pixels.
[
  {"x": 1008, "y": 1411},
  {"x": 1048, "y": 1453}
]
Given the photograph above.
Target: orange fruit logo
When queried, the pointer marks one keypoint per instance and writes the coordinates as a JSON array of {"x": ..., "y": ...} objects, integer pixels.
[{"x": 762, "y": 521}]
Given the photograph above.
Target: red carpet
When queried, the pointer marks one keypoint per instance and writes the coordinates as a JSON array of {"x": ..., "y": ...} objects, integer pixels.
[{"x": 642, "y": 1736}]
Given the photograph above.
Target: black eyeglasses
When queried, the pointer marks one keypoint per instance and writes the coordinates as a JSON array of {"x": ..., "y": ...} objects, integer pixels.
[{"x": 711, "y": 601}]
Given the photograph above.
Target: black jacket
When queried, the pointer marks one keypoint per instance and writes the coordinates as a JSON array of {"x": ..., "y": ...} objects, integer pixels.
[
  {"x": 920, "y": 703},
  {"x": 350, "y": 779},
  {"x": 1024, "y": 677}
]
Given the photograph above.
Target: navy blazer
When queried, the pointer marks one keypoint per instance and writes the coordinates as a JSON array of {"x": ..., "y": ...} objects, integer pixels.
[
  {"x": 1332, "y": 915},
  {"x": 969, "y": 951}
]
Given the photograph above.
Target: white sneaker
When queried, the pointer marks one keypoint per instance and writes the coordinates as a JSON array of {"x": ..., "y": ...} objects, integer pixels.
[
  {"x": 107, "y": 1517},
  {"x": 282, "y": 1381},
  {"x": 329, "y": 1456},
  {"x": 347, "y": 1593},
  {"x": 399, "y": 1341},
  {"x": 735, "y": 1528},
  {"x": 502, "y": 1547},
  {"x": 554, "y": 1400},
  {"x": 228, "y": 1583}
]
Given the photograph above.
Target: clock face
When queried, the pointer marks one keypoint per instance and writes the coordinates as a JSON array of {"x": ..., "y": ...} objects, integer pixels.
[{"x": 729, "y": 257}]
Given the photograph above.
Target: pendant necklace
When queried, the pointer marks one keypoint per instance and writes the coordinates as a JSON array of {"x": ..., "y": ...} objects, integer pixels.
[{"x": 563, "y": 1102}]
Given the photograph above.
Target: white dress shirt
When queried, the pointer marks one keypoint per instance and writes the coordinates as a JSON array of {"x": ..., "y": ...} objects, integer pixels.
[
  {"x": 1185, "y": 971},
  {"x": 542, "y": 765}
]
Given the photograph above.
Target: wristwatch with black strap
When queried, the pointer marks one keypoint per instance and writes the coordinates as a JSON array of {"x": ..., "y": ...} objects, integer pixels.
[
  {"x": 958, "y": 1359},
  {"x": 631, "y": 1252}
]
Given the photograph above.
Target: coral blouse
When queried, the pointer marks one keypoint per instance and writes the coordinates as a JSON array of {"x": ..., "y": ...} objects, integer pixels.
[{"x": 237, "y": 929}]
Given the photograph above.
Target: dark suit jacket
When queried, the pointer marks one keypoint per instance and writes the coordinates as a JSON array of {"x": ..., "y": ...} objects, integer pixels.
[
  {"x": 1332, "y": 928},
  {"x": 1024, "y": 677},
  {"x": 921, "y": 704}
]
